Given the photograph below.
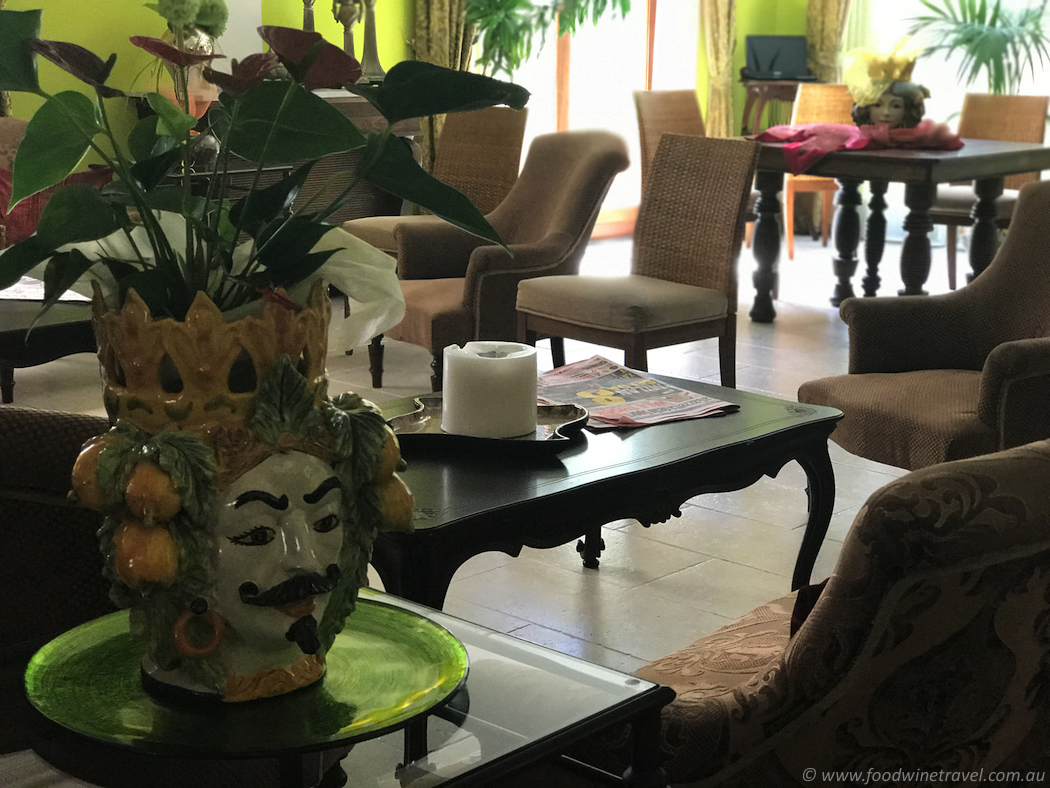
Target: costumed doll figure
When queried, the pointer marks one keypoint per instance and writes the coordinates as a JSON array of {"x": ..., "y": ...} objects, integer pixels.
[{"x": 882, "y": 90}]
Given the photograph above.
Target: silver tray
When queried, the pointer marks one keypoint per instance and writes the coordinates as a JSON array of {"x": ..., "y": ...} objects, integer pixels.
[{"x": 555, "y": 427}]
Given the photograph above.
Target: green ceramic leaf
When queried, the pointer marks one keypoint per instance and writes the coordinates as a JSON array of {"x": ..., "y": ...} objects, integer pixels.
[
  {"x": 284, "y": 404},
  {"x": 55, "y": 141},
  {"x": 394, "y": 170},
  {"x": 17, "y": 60},
  {"x": 270, "y": 130},
  {"x": 191, "y": 465}
]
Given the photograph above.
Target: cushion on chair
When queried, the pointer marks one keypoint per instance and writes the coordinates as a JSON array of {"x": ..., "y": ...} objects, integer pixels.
[
  {"x": 379, "y": 230},
  {"x": 906, "y": 419},
  {"x": 960, "y": 200},
  {"x": 434, "y": 313},
  {"x": 628, "y": 304}
]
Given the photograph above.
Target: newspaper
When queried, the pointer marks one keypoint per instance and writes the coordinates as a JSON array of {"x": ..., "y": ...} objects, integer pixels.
[{"x": 616, "y": 396}]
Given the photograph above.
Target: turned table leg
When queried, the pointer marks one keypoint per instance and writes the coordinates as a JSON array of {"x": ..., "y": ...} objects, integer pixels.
[
  {"x": 984, "y": 238},
  {"x": 915, "y": 254},
  {"x": 875, "y": 238},
  {"x": 766, "y": 244},
  {"x": 847, "y": 238}
]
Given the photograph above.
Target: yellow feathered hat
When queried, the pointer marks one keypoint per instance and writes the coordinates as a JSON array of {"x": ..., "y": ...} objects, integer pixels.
[{"x": 871, "y": 74}]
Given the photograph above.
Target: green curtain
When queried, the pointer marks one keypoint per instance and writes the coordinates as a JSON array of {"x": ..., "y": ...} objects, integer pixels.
[
  {"x": 718, "y": 19},
  {"x": 825, "y": 27},
  {"x": 441, "y": 37}
]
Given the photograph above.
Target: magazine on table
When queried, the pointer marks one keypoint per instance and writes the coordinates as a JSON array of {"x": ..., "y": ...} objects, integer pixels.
[{"x": 616, "y": 396}]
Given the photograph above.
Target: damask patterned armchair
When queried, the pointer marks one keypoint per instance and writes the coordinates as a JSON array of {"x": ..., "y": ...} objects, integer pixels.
[{"x": 928, "y": 650}]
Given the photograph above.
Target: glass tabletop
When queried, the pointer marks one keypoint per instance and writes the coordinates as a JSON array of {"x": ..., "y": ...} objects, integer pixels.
[
  {"x": 517, "y": 696},
  {"x": 518, "y": 703}
]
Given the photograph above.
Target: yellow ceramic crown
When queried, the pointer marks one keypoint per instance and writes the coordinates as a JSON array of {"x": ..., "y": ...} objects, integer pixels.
[{"x": 203, "y": 372}]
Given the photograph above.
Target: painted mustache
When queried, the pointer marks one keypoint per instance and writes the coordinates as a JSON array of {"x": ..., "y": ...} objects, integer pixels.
[{"x": 291, "y": 590}]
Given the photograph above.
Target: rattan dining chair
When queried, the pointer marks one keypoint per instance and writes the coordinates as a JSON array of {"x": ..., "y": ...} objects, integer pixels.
[
  {"x": 683, "y": 284},
  {"x": 674, "y": 112},
  {"x": 815, "y": 104},
  {"x": 478, "y": 153},
  {"x": 988, "y": 116}
]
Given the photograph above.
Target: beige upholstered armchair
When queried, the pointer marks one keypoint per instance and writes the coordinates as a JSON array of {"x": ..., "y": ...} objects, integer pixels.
[
  {"x": 955, "y": 375},
  {"x": 928, "y": 649},
  {"x": 459, "y": 288}
]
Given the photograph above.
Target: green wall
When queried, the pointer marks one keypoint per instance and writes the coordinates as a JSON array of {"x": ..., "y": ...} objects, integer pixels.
[
  {"x": 104, "y": 27},
  {"x": 753, "y": 17}
]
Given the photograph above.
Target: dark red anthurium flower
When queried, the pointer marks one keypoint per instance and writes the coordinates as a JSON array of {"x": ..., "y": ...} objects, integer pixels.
[
  {"x": 246, "y": 74},
  {"x": 82, "y": 63},
  {"x": 169, "y": 53},
  {"x": 332, "y": 68}
]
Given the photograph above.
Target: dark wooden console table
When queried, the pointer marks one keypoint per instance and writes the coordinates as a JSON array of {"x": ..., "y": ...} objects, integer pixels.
[
  {"x": 986, "y": 162},
  {"x": 760, "y": 93},
  {"x": 471, "y": 500}
]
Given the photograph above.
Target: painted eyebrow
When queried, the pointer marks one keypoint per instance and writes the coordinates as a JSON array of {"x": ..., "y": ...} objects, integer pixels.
[
  {"x": 280, "y": 504},
  {"x": 325, "y": 487}
]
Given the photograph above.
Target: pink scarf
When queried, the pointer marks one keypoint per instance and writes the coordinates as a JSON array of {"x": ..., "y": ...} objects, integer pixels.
[{"x": 808, "y": 143}]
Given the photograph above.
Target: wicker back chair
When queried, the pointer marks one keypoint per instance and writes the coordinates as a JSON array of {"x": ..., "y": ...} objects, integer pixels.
[
  {"x": 665, "y": 112},
  {"x": 988, "y": 116},
  {"x": 815, "y": 103},
  {"x": 478, "y": 153},
  {"x": 682, "y": 285}
]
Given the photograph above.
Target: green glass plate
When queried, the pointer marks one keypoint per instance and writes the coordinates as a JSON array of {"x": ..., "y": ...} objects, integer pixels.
[{"x": 386, "y": 667}]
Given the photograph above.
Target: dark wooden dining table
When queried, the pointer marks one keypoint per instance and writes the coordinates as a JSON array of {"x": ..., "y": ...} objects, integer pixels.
[{"x": 985, "y": 162}]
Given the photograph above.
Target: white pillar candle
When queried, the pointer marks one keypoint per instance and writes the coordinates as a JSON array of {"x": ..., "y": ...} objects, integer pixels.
[{"x": 489, "y": 390}]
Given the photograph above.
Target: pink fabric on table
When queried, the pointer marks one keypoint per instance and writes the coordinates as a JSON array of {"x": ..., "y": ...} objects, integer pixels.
[
  {"x": 808, "y": 143},
  {"x": 22, "y": 220}
]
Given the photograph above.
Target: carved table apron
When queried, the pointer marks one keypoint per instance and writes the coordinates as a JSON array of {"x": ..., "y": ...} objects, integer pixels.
[
  {"x": 470, "y": 501},
  {"x": 986, "y": 162}
]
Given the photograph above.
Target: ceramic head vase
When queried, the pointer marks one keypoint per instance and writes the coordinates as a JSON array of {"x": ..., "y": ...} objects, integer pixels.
[
  {"x": 241, "y": 502},
  {"x": 882, "y": 90}
]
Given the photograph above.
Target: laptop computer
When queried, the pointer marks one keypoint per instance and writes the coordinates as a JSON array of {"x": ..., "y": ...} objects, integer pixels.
[{"x": 776, "y": 57}]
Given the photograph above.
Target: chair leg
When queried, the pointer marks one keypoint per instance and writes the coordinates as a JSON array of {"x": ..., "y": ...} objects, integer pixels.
[
  {"x": 953, "y": 239},
  {"x": 727, "y": 353},
  {"x": 436, "y": 371},
  {"x": 558, "y": 351},
  {"x": 749, "y": 230},
  {"x": 635, "y": 355},
  {"x": 789, "y": 218},
  {"x": 375, "y": 361},
  {"x": 7, "y": 384},
  {"x": 827, "y": 212}
]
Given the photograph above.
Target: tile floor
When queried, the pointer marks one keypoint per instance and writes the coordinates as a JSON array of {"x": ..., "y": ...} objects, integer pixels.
[{"x": 659, "y": 588}]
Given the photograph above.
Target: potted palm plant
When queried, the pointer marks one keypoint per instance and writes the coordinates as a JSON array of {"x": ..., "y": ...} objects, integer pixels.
[
  {"x": 1001, "y": 43},
  {"x": 240, "y": 500}
]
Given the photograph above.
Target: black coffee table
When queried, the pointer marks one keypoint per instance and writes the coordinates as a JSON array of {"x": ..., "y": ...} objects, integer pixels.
[{"x": 472, "y": 499}]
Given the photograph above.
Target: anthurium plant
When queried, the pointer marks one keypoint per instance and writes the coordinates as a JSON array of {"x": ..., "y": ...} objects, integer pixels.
[{"x": 150, "y": 229}]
